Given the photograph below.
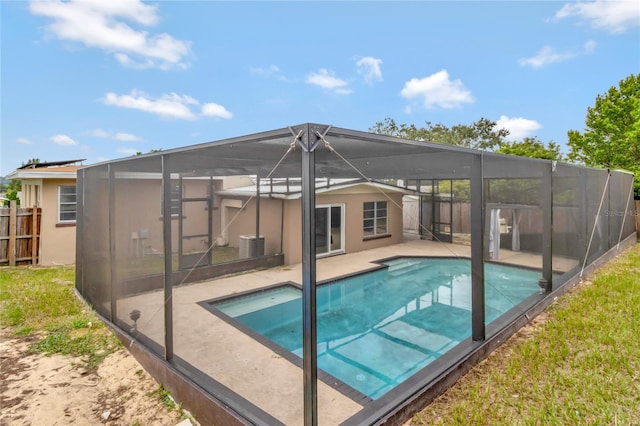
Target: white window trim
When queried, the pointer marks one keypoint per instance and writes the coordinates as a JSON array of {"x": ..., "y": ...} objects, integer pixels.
[
  {"x": 341, "y": 249},
  {"x": 60, "y": 203},
  {"x": 375, "y": 218}
]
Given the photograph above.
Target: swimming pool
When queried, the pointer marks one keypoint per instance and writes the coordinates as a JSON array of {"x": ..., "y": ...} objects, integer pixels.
[{"x": 379, "y": 328}]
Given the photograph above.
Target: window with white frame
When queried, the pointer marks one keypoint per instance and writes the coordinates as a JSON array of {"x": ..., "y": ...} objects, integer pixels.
[
  {"x": 374, "y": 218},
  {"x": 67, "y": 203}
]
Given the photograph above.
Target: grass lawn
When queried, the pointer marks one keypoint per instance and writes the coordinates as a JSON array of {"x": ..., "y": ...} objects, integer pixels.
[
  {"x": 40, "y": 301},
  {"x": 578, "y": 363}
]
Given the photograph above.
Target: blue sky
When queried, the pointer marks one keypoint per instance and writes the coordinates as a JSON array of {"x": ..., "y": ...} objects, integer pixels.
[{"x": 104, "y": 79}]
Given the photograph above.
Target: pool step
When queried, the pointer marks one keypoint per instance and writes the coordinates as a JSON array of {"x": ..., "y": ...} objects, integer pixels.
[{"x": 404, "y": 268}]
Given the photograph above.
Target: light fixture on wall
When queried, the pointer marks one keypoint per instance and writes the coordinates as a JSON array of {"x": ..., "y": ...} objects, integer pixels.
[{"x": 135, "y": 316}]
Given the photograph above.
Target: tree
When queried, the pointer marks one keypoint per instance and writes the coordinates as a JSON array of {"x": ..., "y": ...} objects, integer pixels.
[
  {"x": 150, "y": 151},
  {"x": 532, "y": 148},
  {"x": 481, "y": 134},
  {"x": 611, "y": 137},
  {"x": 32, "y": 161},
  {"x": 12, "y": 189}
]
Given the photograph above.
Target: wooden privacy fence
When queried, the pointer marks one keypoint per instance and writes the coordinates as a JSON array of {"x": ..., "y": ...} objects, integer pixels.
[{"x": 19, "y": 235}]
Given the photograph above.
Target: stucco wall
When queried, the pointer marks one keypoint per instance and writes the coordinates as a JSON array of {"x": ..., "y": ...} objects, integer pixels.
[
  {"x": 244, "y": 222},
  {"x": 58, "y": 240},
  {"x": 353, "y": 199},
  {"x": 138, "y": 217},
  {"x": 138, "y": 214}
]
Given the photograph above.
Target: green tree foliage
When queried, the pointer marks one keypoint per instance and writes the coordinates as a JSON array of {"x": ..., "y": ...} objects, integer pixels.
[
  {"x": 611, "y": 137},
  {"x": 32, "y": 161},
  {"x": 11, "y": 190},
  {"x": 460, "y": 189},
  {"x": 481, "y": 134},
  {"x": 150, "y": 151},
  {"x": 532, "y": 148}
]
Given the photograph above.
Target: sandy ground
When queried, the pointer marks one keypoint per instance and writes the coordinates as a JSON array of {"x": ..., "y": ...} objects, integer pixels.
[{"x": 57, "y": 390}]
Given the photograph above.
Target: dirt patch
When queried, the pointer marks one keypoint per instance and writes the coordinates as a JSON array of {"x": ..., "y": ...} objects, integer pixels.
[{"x": 36, "y": 389}]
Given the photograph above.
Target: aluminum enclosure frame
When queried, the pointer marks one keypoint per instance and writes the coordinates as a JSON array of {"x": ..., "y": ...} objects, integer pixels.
[{"x": 316, "y": 150}]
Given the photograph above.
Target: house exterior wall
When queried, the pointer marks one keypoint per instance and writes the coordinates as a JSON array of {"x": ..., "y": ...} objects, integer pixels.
[
  {"x": 244, "y": 222},
  {"x": 353, "y": 200},
  {"x": 57, "y": 240},
  {"x": 31, "y": 193},
  {"x": 140, "y": 231}
]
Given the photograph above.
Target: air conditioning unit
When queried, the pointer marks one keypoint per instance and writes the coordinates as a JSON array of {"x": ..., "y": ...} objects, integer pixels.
[{"x": 250, "y": 246}]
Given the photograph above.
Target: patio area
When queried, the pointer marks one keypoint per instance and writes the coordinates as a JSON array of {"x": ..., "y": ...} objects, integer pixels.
[{"x": 240, "y": 363}]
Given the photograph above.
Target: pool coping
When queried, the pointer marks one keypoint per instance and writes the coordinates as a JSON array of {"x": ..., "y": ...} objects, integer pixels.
[
  {"x": 330, "y": 380},
  {"x": 424, "y": 388},
  {"x": 434, "y": 368}
]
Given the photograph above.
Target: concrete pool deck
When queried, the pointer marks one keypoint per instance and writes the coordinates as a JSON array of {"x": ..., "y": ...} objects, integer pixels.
[{"x": 251, "y": 370}]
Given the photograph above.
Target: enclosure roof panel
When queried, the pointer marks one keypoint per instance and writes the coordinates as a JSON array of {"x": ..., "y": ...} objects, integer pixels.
[
  {"x": 294, "y": 191},
  {"x": 338, "y": 153}
]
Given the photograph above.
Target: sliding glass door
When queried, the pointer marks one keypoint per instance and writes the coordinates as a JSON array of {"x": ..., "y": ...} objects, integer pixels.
[{"x": 329, "y": 229}]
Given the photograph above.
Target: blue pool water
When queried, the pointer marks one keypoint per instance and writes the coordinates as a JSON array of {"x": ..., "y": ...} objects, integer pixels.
[{"x": 377, "y": 329}]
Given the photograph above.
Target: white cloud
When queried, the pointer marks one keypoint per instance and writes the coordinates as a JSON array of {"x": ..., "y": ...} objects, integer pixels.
[
  {"x": 369, "y": 67},
  {"x": 119, "y": 136},
  {"x": 271, "y": 69},
  {"x": 437, "y": 90},
  {"x": 589, "y": 47},
  {"x": 615, "y": 16},
  {"x": 126, "y": 61},
  {"x": 214, "y": 110},
  {"x": 63, "y": 140},
  {"x": 99, "y": 133},
  {"x": 548, "y": 55},
  {"x": 24, "y": 141},
  {"x": 169, "y": 105},
  {"x": 327, "y": 80},
  {"x": 518, "y": 127},
  {"x": 126, "y": 137},
  {"x": 102, "y": 24}
]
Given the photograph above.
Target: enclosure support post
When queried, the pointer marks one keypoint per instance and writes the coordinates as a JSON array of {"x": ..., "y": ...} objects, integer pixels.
[
  {"x": 210, "y": 222},
  {"x": 309, "y": 329},
  {"x": 79, "y": 232},
  {"x": 112, "y": 243},
  {"x": 546, "y": 203},
  {"x": 257, "y": 245},
  {"x": 181, "y": 265},
  {"x": 451, "y": 210},
  {"x": 583, "y": 212},
  {"x": 477, "y": 250},
  {"x": 168, "y": 281},
  {"x": 308, "y": 143},
  {"x": 418, "y": 189}
]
